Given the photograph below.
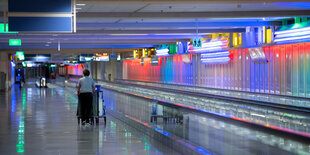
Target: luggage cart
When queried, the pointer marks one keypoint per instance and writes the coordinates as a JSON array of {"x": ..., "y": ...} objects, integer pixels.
[
  {"x": 98, "y": 109},
  {"x": 98, "y": 106}
]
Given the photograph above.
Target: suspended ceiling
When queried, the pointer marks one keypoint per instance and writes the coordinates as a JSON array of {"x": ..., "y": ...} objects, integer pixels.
[{"x": 123, "y": 24}]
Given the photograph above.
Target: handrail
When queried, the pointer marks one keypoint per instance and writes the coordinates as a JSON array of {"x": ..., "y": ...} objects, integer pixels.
[
  {"x": 220, "y": 89},
  {"x": 299, "y": 136},
  {"x": 283, "y": 131},
  {"x": 233, "y": 99}
]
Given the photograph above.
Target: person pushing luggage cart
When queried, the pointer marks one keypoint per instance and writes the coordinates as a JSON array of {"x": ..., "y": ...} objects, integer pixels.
[{"x": 86, "y": 89}]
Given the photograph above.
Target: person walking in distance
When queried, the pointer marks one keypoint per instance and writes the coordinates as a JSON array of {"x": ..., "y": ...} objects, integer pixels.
[{"x": 86, "y": 89}]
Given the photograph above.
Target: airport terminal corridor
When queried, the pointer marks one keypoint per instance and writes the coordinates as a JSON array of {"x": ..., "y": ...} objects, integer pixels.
[
  {"x": 43, "y": 121},
  {"x": 154, "y": 77}
]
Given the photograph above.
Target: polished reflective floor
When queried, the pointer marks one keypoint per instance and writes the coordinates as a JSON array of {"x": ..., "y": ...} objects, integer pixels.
[{"x": 42, "y": 121}]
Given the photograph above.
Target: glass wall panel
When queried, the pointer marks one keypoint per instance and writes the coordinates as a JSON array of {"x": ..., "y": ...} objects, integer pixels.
[
  {"x": 288, "y": 66},
  {"x": 277, "y": 70},
  {"x": 287, "y": 71},
  {"x": 307, "y": 68},
  {"x": 295, "y": 82},
  {"x": 266, "y": 71},
  {"x": 248, "y": 71},
  {"x": 282, "y": 62},
  {"x": 301, "y": 70}
]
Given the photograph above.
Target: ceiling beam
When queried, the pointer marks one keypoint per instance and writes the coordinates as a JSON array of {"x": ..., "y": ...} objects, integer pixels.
[
  {"x": 182, "y": 15},
  {"x": 171, "y": 32},
  {"x": 70, "y": 50},
  {"x": 187, "y": 1},
  {"x": 100, "y": 42},
  {"x": 174, "y": 24},
  {"x": 79, "y": 46},
  {"x": 138, "y": 32}
]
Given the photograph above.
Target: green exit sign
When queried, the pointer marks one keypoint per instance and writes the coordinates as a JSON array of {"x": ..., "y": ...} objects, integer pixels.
[
  {"x": 6, "y": 29},
  {"x": 15, "y": 42},
  {"x": 20, "y": 55}
]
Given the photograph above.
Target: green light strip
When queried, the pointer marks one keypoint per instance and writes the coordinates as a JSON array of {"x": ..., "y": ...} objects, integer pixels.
[{"x": 7, "y": 29}]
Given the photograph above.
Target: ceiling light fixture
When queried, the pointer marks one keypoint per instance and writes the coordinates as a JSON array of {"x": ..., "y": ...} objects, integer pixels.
[{"x": 80, "y": 4}]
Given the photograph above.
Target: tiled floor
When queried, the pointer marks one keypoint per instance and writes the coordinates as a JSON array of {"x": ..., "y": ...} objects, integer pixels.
[{"x": 42, "y": 121}]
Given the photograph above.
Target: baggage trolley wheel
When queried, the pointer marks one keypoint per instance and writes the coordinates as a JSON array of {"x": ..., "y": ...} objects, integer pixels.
[{"x": 97, "y": 120}]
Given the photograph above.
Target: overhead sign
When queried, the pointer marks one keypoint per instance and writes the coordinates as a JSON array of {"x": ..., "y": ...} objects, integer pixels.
[
  {"x": 154, "y": 61},
  {"x": 86, "y": 57},
  {"x": 40, "y": 15},
  {"x": 112, "y": 56},
  {"x": 20, "y": 55},
  {"x": 40, "y": 24},
  {"x": 37, "y": 57},
  {"x": 118, "y": 57},
  {"x": 197, "y": 43},
  {"x": 5, "y": 29},
  {"x": 15, "y": 42},
  {"x": 101, "y": 57}
]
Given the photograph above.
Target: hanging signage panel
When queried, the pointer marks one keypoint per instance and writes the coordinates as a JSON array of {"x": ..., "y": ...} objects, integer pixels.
[
  {"x": 197, "y": 42},
  {"x": 101, "y": 57},
  {"x": 40, "y": 15},
  {"x": 15, "y": 42},
  {"x": 112, "y": 56},
  {"x": 40, "y": 6},
  {"x": 48, "y": 24}
]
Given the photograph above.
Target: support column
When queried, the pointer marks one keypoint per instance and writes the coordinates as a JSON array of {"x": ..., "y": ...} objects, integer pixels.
[{"x": 5, "y": 68}]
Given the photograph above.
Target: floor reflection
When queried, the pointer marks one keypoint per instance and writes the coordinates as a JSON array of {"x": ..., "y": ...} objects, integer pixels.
[{"x": 42, "y": 121}]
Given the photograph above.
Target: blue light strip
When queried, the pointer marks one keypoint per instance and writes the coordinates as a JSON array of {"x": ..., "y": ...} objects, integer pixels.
[
  {"x": 212, "y": 46},
  {"x": 215, "y": 55},
  {"x": 162, "y": 52},
  {"x": 293, "y": 35},
  {"x": 220, "y": 60},
  {"x": 292, "y": 38}
]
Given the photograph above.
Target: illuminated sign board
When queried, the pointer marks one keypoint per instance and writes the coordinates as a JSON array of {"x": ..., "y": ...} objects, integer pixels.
[
  {"x": 20, "y": 55},
  {"x": 6, "y": 27},
  {"x": 83, "y": 59},
  {"x": 40, "y": 15},
  {"x": 118, "y": 57},
  {"x": 113, "y": 56},
  {"x": 197, "y": 43},
  {"x": 101, "y": 57},
  {"x": 15, "y": 42}
]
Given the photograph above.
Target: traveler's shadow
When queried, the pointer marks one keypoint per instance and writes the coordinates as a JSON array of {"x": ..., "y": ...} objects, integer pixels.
[{"x": 88, "y": 139}]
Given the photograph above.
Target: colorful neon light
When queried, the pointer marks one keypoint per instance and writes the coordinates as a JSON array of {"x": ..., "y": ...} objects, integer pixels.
[
  {"x": 292, "y": 38},
  {"x": 221, "y": 60},
  {"x": 293, "y": 34},
  {"x": 217, "y": 54},
  {"x": 210, "y": 47},
  {"x": 162, "y": 52},
  {"x": 213, "y": 43},
  {"x": 292, "y": 31}
]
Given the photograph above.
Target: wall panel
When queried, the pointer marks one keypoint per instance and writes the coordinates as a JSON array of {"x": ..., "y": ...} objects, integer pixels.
[{"x": 287, "y": 71}]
